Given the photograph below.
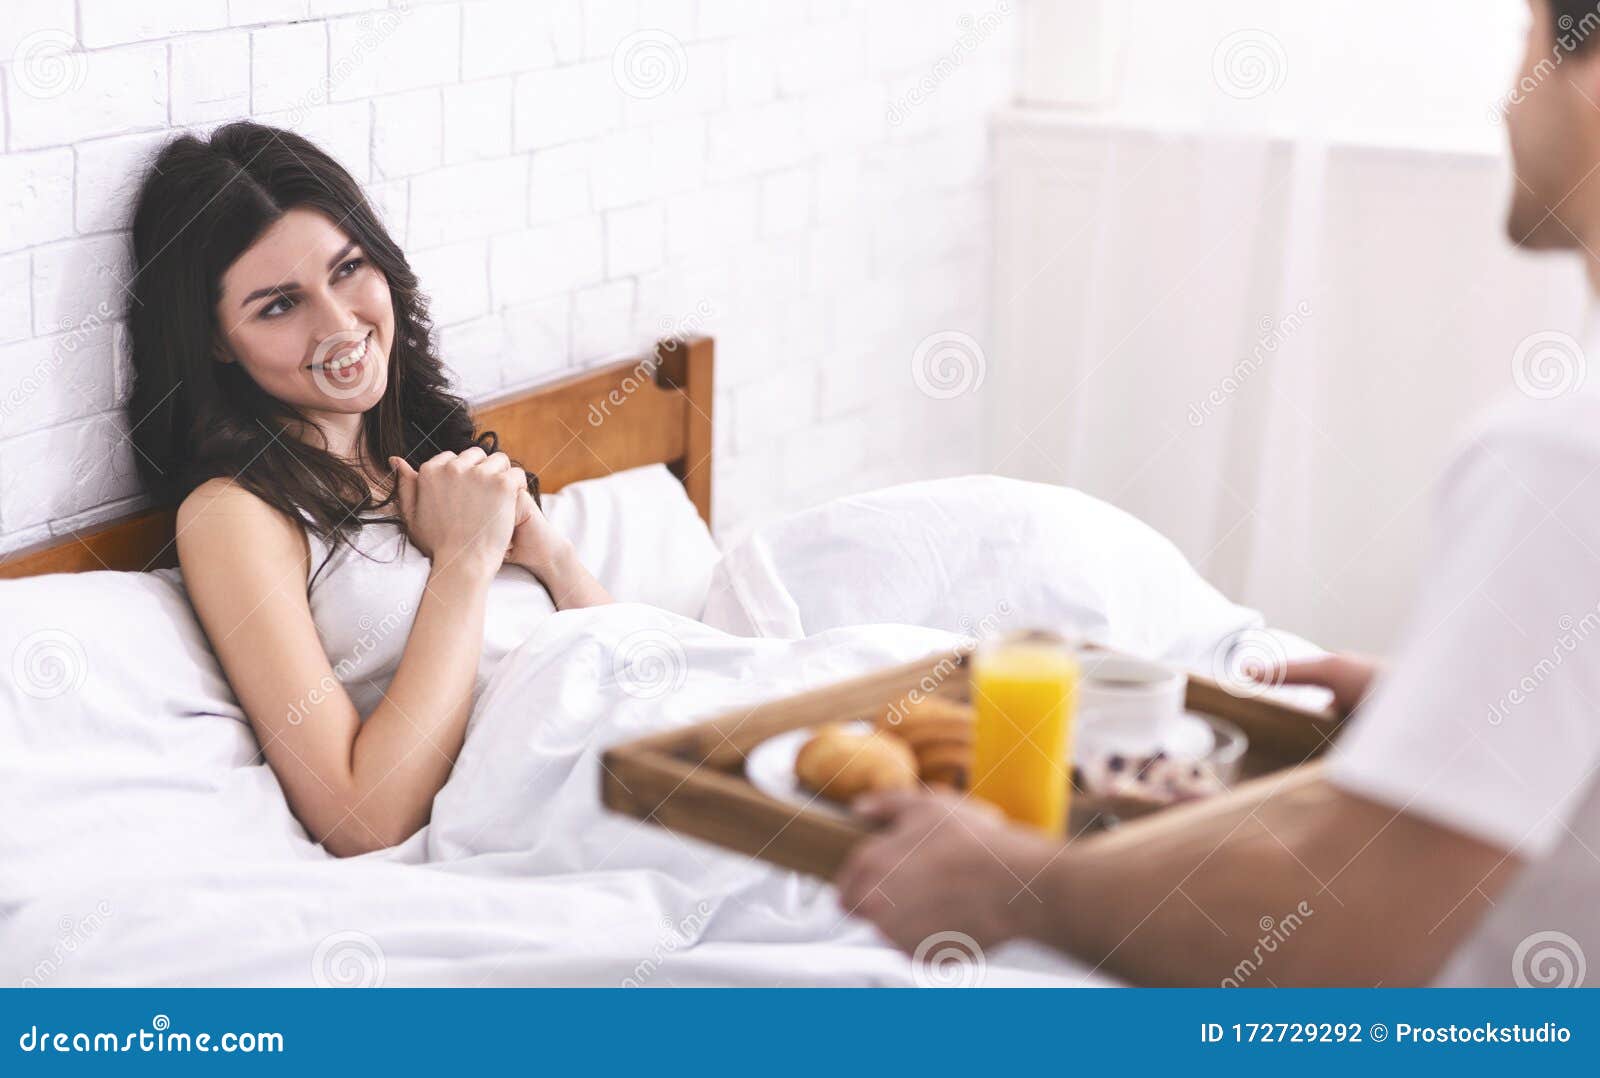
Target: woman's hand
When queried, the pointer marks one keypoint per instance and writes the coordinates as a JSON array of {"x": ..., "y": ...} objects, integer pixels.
[
  {"x": 1350, "y": 677},
  {"x": 536, "y": 545},
  {"x": 461, "y": 507},
  {"x": 540, "y": 548}
]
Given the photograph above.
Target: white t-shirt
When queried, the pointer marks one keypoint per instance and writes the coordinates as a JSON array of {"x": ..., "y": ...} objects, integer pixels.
[{"x": 1489, "y": 719}]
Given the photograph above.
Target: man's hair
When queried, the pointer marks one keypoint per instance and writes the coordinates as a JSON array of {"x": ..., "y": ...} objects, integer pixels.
[{"x": 1577, "y": 23}]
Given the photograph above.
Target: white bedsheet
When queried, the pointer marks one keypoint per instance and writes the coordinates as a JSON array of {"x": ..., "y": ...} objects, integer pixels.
[
  {"x": 140, "y": 842},
  {"x": 174, "y": 869}
]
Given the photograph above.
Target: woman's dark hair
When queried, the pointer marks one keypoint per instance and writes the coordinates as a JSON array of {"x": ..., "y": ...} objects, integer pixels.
[{"x": 203, "y": 202}]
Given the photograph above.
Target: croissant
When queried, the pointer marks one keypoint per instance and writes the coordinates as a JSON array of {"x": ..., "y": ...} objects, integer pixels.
[{"x": 842, "y": 764}]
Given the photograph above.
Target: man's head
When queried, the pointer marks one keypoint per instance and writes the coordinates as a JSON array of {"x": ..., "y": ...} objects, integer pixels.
[{"x": 1553, "y": 116}]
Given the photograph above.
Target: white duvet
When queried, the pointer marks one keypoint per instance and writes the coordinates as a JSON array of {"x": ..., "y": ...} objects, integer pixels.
[
  {"x": 187, "y": 869},
  {"x": 141, "y": 841}
]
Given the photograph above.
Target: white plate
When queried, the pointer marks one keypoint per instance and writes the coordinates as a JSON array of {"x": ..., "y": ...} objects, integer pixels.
[{"x": 770, "y": 769}]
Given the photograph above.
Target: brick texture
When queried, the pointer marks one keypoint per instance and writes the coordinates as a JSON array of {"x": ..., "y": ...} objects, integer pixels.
[{"x": 572, "y": 179}]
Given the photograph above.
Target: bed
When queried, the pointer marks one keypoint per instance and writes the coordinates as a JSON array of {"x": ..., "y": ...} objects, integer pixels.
[{"x": 143, "y": 841}]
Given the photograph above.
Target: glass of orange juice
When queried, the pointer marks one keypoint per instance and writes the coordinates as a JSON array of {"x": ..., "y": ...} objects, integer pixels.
[{"x": 1025, "y": 691}]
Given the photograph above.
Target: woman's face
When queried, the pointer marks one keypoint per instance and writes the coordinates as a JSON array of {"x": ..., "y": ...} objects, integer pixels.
[{"x": 309, "y": 318}]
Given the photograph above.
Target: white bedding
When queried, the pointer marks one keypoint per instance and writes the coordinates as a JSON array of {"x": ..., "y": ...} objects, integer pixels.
[
  {"x": 140, "y": 842},
  {"x": 522, "y": 878},
  {"x": 976, "y": 554}
]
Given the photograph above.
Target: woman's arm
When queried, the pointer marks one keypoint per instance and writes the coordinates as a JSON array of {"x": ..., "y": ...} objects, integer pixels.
[
  {"x": 538, "y": 547},
  {"x": 569, "y": 583},
  {"x": 356, "y": 787}
]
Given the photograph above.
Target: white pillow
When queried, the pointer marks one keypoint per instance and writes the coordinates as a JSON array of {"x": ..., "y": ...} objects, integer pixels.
[
  {"x": 974, "y": 555},
  {"x": 115, "y": 660},
  {"x": 122, "y": 749},
  {"x": 639, "y": 534}
]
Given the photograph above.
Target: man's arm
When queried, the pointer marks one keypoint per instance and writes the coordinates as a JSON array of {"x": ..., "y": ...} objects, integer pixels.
[{"x": 1286, "y": 881}]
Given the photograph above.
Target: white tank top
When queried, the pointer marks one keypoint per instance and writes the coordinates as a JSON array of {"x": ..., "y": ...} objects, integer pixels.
[{"x": 364, "y": 606}]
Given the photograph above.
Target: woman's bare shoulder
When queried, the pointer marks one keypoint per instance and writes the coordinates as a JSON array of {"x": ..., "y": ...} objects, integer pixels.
[{"x": 221, "y": 519}]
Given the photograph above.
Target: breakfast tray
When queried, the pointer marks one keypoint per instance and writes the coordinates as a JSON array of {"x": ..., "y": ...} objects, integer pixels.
[{"x": 691, "y": 780}]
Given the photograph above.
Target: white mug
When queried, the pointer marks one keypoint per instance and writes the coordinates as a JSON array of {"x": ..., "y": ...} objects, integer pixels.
[{"x": 1126, "y": 705}]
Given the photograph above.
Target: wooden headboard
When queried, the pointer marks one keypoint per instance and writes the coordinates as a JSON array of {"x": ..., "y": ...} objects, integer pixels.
[{"x": 652, "y": 410}]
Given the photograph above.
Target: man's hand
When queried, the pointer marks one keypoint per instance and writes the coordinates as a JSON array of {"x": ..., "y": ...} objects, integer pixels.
[
  {"x": 945, "y": 864},
  {"x": 1349, "y": 676}
]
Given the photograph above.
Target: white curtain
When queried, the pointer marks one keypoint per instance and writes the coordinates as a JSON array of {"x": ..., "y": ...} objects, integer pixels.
[
  {"x": 1264, "y": 346},
  {"x": 1254, "y": 294}
]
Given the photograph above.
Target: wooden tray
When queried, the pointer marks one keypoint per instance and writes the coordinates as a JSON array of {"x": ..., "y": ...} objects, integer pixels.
[{"x": 692, "y": 780}]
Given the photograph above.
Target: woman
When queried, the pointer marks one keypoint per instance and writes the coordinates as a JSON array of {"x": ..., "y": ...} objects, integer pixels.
[{"x": 287, "y": 397}]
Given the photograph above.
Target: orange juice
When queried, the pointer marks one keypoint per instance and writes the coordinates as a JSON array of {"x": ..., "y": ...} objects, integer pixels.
[{"x": 1024, "y": 689}]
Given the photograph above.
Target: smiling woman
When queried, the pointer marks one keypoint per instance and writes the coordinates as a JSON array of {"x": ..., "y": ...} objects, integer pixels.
[
  {"x": 261, "y": 267},
  {"x": 308, "y": 344},
  {"x": 286, "y": 392}
]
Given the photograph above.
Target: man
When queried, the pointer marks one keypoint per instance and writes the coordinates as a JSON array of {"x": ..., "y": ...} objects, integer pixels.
[{"x": 1453, "y": 834}]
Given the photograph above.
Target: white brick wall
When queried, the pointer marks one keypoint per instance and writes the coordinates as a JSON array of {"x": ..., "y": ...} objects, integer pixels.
[{"x": 571, "y": 178}]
